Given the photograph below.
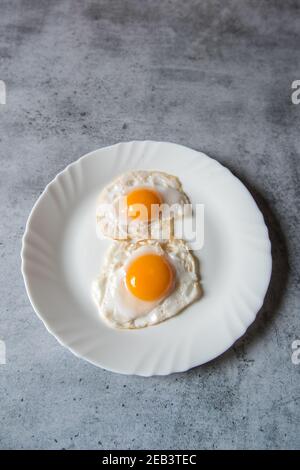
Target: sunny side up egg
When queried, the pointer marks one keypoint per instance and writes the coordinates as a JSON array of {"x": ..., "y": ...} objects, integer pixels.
[
  {"x": 145, "y": 283},
  {"x": 118, "y": 216}
]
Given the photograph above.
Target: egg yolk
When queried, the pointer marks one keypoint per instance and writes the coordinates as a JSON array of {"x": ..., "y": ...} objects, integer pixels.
[
  {"x": 144, "y": 196},
  {"x": 149, "y": 277}
]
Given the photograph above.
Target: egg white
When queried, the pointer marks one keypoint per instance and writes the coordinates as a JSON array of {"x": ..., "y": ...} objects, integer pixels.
[
  {"x": 109, "y": 220},
  {"x": 120, "y": 308}
]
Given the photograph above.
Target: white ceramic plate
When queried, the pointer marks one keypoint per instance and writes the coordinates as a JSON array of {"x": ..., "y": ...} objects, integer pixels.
[{"x": 61, "y": 256}]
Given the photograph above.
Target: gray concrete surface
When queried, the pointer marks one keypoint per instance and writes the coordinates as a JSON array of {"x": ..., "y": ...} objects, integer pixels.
[{"x": 212, "y": 75}]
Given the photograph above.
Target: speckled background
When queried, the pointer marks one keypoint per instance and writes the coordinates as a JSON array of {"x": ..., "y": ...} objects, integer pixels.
[{"x": 215, "y": 76}]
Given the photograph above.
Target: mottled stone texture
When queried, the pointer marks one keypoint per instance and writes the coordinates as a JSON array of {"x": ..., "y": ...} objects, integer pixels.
[{"x": 215, "y": 76}]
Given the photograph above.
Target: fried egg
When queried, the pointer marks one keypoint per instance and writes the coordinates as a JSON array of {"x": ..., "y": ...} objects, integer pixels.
[
  {"x": 145, "y": 283},
  {"x": 137, "y": 206}
]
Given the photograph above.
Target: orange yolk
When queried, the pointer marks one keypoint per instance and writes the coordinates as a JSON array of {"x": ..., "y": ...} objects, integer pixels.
[
  {"x": 149, "y": 277},
  {"x": 145, "y": 196}
]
